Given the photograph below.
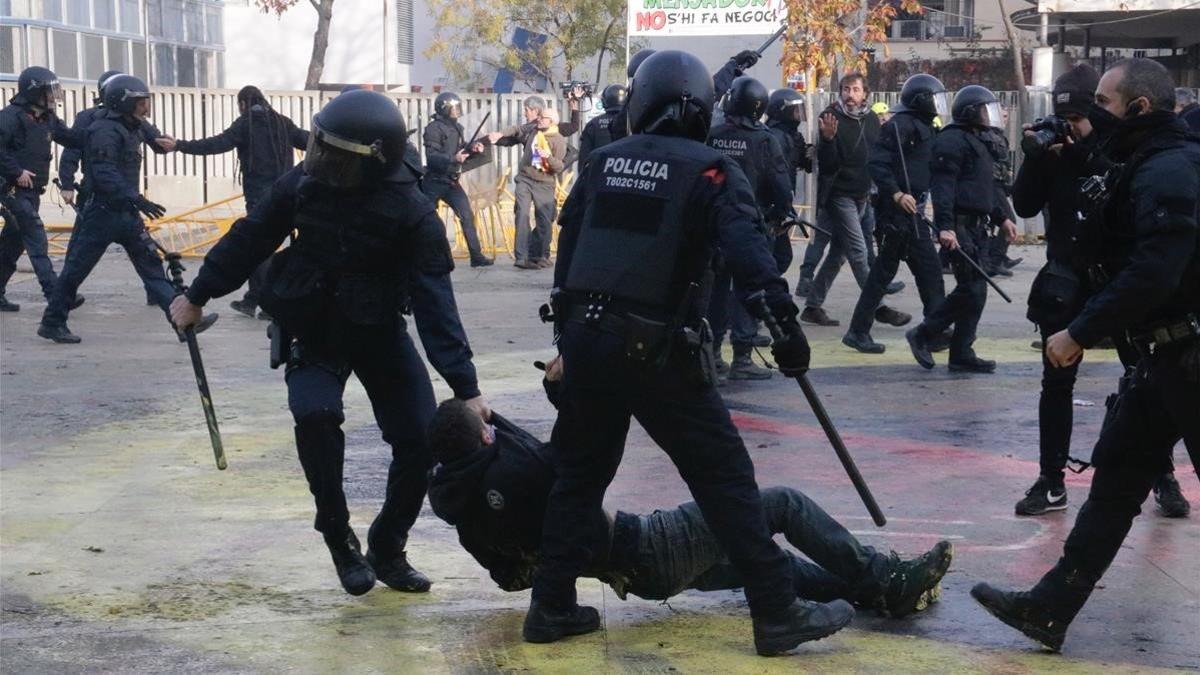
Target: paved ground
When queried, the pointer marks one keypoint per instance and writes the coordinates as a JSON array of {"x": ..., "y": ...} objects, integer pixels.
[{"x": 123, "y": 549}]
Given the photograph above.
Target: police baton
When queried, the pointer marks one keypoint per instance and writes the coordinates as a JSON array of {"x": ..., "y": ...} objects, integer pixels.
[
  {"x": 831, "y": 431},
  {"x": 771, "y": 40},
  {"x": 972, "y": 263},
  {"x": 175, "y": 265}
]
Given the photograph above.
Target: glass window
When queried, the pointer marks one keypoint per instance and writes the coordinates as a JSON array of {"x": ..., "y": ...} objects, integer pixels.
[
  {"x": 77, "y": 13},
  {"x": 12, "y": 49},
  {"x": 93, "y": 56},
  {"x": 131, "y": 21},
  {"x": 212, "y": 16},
  {"x": 52, "y": 10},
  {"x": 202, "y": 68},
  {"x": 154, "y": 17},
  {"x": 138, "y": 62},
  {"x": 172, "y": 19},
  {"x": 187, "y": 67},
  {"x": 164, "y": 65},
  {"x": 118, "y": 55},
  {"x": 66, "y": 54},
  {"x": 7, "y": 9},
  {"x": 39, "y": 51},
  {"x": 106, "y": 14},
  {"x": 194, "y": 23}
]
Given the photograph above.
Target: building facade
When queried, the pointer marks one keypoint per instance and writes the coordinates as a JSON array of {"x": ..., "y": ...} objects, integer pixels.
[{"x": 169, "y": 42}]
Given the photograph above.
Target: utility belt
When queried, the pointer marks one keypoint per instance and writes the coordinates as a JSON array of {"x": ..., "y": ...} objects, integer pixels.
[
  {"x": 969, "y": 219},
  {"x": 650, "y": 341},
  {"x": 1171, "y": 332}
]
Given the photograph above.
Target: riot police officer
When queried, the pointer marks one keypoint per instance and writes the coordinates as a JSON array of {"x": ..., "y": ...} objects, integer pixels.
[
  {"x": 445, "y": 152},
  {"x": 368, "y": 244},
  {"x": 113, "y": 163},
  {"x": 639, "y": 230},
  {"x": 28, "y": 126},
  {"x": 745, "y": 140},
  {"x": 1150, "y": 265},
  {"x": 964, "y": 197},
  {"x": 598, "y": 132},
  {"x": 899, "y": 165},
  {"x": 785, "y": 114},
  {"x": 994, "y": 257}
]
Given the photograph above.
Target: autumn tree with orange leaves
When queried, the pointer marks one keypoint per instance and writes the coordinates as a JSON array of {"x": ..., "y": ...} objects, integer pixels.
[{"x": 823, "y": 34}]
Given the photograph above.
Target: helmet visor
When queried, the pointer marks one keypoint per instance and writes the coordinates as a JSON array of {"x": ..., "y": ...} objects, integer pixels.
[
  {"x": 47, "y": 92},
  {"x": 452, "y": 109},
  {"x": 795, "y": 111},
  {"x": 941, "y": 104},
  {"x": 990, "y": 115},
  {"x": 335, "y": 161}
]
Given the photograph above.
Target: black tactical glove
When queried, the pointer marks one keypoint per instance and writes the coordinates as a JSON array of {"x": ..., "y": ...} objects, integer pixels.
[
  {"x": 792, "y": 353},
  {"x": 148, "y": 208},
  {"x": 746, "y": 59}
]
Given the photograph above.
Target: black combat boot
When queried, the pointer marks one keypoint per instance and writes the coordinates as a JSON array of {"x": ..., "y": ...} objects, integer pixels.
[
  {"x": 242, "y": 307},
  {"x": 913, "y": 584},
  {"x": 6, "y": 306},
  {"x": 396, "y": 572},
  {"x": 893, "y": 288},
  {"x": 972, "y": 364},
  {"x": 356, "y": 575},
  {"x": 919, "y": 345},
  {"x": 60, "y": 334},
  {"x": 892, "y": 317},
  {"x": 1170, "y": 500},
  {"x": 1021, "y": 611},
  {"x": 803, "y": 621},
  {"x": 76, "y": 303},
  {"x": 547, "y": 624},
  {"x": 818, "y": 316},
  {"x": 863, "y": 343},
  {"x": 744, "y": 368}
]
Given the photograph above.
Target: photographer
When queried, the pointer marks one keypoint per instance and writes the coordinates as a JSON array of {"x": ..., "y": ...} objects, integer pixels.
[{"x": 1060, "y": 151}]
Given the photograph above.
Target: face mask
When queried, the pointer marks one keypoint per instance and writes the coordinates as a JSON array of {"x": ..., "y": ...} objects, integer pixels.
[{"x": 1103, "y": 122}]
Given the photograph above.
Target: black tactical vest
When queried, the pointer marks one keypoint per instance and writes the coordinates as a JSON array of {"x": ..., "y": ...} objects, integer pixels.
[
  {"x": 30, "y": 145},
  {"x": 603, "y": 129},
  {"x": 744, "y": 146},
  {"x": 128, "y": 154},
  {"x": 631, "y": 242}
]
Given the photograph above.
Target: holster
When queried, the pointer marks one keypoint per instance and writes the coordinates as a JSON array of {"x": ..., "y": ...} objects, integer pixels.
[
  {"x": 645, "y": 339},
  {"x": 696, "y": 344},
  {"x": 281, "y": 344}
]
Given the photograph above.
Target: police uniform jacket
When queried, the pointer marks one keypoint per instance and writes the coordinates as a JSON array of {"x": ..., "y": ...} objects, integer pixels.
[
  {"x": 357, "y": 258},
  {"x": 961, "y": 180},
  {"x": 795, "y": 148},
  {"x": 758, "y": 153},
  {"x": 901, "y": 165},
  {"x": 597, "y": 133},
  {"x": 25, "y": 141},
  {"x": 1150, "y": 241},
  {"x": 113, "y": 160},
  {"x": 443, "y": 139},
  {"x": 69, "y": 162}
]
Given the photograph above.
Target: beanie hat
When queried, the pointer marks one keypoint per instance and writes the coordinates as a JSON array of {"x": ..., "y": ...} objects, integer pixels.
[{"x": 1075, "y": 90}]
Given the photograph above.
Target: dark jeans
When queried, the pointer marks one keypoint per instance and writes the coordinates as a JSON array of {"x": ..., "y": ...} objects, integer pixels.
[
  {"x": 727, "y": 314},
  {"x": 1132, "y": 452},
  {"x": 456, "y": 198},
  {"x": 99, "y": 227},
  {"x": 676, "y": 551},
  {"x": 600, "y": 394},
  {"x": 843, "y": 216},
  {"x": 387, "y": 364},
  {"x": 537, "y": 196},
  {"x": 24, "y": 231},
  {"x": 963, "y": 307},
  {"x": 919, "y": 253}
]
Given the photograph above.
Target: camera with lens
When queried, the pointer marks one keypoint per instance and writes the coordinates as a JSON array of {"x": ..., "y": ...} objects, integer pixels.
[
  {"x": 1047, "y": 131},
  {"x": 568, "y": 89}
]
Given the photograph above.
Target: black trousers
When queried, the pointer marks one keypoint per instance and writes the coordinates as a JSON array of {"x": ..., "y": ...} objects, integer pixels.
[
  {"x": 676, "y": 550},
  {"x": 918, "y": 252},
  {"x": 24, "y": 232},
  {"x": 964, "y": 305},
  {"x": 456, "y": 198},
  {"x": 602, "y": 391},
  {"x": 387, "y": 364},
  {"x": 536, "y": 196},
  {"x": 97, "y": 228},
  {"x": 1134, "y": 448}
]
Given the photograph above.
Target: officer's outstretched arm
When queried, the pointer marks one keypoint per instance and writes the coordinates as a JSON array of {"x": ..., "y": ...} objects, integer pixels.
[
  {"x": 436, "y": 312},
  {"x": 68, "y": 137},
  {"x": 250, "y": 241},
  {"x": 1165, "y": 192}
]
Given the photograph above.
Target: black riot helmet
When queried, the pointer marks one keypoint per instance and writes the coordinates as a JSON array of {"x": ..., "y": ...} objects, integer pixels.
[
  {"x": 39, "y": 86},
  {"x": 786, "y": 105},
  {"x": 672, "y": 94},
  {"x": 357, "y": 139},
  {"x": 747, "y": 98},
  {"x": 636, "y": 60},
  {"x": 122, "y": 92},
  {"x": 976, "y": 106},
  {"x": 448, "y": 105},
  {"x": 104, "y": 78},
  {"x": 924, "y": 93},
  {"x": 613, "y": 97}
]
